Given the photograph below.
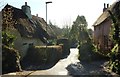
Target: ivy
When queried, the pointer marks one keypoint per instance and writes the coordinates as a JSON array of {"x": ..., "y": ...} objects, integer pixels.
[
  {"x": 114, "y": 63},
  {"x": 7, "y": 39}
]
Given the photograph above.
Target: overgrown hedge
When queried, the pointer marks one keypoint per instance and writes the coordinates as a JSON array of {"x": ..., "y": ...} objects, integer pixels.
[
  {"x": 114, "y": 63},
  {"x": 88, "y": 52},
  {"x": 65, "y": 46},
  {"x": 10, "y": 56},
  {"x": 10, "y": 60},
  {"x": 37, "y": 55}
]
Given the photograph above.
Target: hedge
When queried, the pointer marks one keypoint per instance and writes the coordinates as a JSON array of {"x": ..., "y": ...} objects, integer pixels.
[{"x": 38, "y": 55}]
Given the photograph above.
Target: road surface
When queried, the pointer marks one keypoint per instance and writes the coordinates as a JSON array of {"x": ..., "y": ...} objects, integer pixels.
[
  {"x": 70, "y": 66},
  {"x": 60, "y": 67}
]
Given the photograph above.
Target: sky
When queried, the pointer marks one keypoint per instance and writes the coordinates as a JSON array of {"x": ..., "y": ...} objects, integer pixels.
[{"x": 63, "y": 12}]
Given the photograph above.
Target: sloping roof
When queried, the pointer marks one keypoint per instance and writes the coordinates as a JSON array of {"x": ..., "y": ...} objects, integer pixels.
[
  {"x": 43, "y": 24},
  {"x": 104, "y": 15},
  {"x": 102, "y": 18},
  {"x": 30, "y": 28}
]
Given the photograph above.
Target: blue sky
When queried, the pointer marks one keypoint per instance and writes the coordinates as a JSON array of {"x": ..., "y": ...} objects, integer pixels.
[{"x": 64, "y": 12}]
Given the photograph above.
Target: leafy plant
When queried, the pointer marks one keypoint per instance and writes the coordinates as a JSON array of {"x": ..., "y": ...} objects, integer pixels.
[
  {"x": 7, "y": 39},
  {"x": 114, "y": 63},
  {"x": 79, "y": 32},
  {"x": 10, "y": 56}
]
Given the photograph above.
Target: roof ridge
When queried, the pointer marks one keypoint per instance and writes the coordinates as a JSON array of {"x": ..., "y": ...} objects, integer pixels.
[{"x": 105, "y": 14}]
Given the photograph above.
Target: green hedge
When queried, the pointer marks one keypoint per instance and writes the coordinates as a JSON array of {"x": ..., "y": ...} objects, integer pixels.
[
  {"x": 10, "y": 60},
  {"x": 65, "y": 46},
  {"x": 88, "y": 52},
  {"x": 85, "y": 51},
  {"x": 41, "y": 54},
  {"x": 114, "y": 63},
  {"x": 10, "y": 56}
]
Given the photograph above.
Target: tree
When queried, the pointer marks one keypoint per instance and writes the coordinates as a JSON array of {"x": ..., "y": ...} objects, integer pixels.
[
  {"x": 66, "y": 31},
  {"x": 79, "y": 32},
  {"x": 78, "y": 27}
]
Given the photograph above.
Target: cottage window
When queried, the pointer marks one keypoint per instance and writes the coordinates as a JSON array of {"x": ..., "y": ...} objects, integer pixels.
[{"x": 94, "y": 28}]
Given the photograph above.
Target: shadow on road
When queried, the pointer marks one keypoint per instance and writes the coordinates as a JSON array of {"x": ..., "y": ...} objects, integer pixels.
[
  {"x": 27, "y": 65},
  {"x": 85, "y": 68},
  {"x": 34, "y": 67}
]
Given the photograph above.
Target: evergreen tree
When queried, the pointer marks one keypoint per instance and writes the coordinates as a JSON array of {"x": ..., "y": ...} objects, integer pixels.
[{"x": 77, "y": 27}]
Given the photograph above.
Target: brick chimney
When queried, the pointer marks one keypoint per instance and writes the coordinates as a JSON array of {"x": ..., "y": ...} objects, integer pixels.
[{"x": 104, "y": 7}]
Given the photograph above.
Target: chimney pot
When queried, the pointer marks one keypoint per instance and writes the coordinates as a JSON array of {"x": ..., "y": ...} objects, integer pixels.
[
  {"x": 104, "y": 5},
  {"x": 37, "y": 15},
  {"x": 25, "y": 3},
  {"x": 107, "y": 5}
]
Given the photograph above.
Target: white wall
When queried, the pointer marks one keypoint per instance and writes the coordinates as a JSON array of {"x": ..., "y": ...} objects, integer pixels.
[{"x": 19, "y": 41}]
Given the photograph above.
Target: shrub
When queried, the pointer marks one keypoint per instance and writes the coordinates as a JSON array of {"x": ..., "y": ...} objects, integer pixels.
[
  {"x": 10, "y": 56},
  {"x": 37, "y": 55},
  {"x": 114, "y": 63},
  {"x": 87, "y": 51},
  {"x": 65, "y": 47}
]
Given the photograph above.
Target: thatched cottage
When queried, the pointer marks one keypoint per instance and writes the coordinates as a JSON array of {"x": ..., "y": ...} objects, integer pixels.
[
  {"x": 102, "y": 27},
  {"x": 27, "y": 28}
]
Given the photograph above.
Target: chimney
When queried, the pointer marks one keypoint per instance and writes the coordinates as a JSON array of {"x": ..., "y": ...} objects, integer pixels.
[
  {"x": 37, "y": 15},
  {"x": 104, "y": 7},
  {"x": 25, "y": 3},
  {"x": 107, "y": 5},
  {"x": 26, "y": 9}
]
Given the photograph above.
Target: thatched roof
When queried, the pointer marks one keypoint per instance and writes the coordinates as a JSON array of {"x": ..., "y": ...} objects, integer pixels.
[
  {"x": 105, "y": 14},
  {"x": 30, "y": 28},
  {"x": 42, "y": 22}
]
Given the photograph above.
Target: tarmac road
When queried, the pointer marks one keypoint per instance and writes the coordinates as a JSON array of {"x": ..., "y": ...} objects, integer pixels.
[
  {"x": 60, "y": 67},
  {"x": 71, "y": 66}
]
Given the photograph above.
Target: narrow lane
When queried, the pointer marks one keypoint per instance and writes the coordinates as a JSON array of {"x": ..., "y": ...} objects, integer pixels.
[
  {"x": 60, "y": 67},
  {"x": 71, "y": 66}
]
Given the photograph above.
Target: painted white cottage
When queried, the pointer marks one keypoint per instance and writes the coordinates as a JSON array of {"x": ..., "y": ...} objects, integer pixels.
[{"x": 28, "y": 29}]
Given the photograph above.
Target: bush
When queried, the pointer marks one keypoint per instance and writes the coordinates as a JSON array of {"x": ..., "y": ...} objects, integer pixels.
[
  {"x": 114, "y": 63},
  {"x": 10, "y": 60},
  {"x": 85, "y": 51},
  {"x": 10, "y": 56},
  {"x": 65, "y": 47},
  {"x": 37, "y": 55},
  {"x": 114, "y": 55},
  {"x": 88, "y": 52}
]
